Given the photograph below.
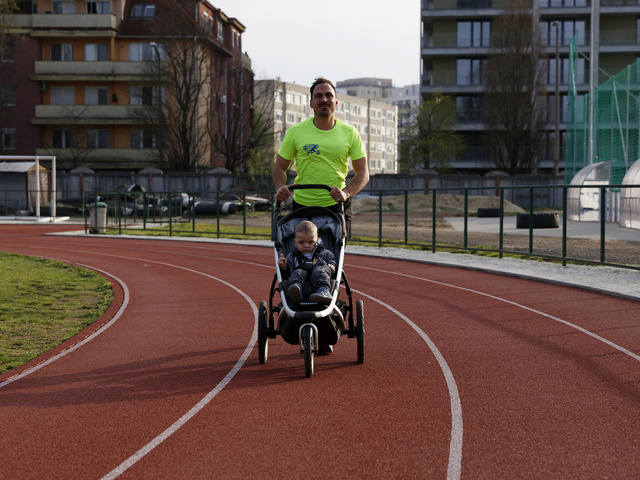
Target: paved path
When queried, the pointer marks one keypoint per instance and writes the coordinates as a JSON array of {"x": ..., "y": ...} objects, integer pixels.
[{"x": 469, "y": 374}]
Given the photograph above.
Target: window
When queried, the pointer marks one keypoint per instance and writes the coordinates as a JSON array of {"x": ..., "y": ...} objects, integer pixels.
[
  {"x": 97, "y": 139},
  {"x": 62, "y": 52},
  {"x": 143, "y": 10},
  {"x": 98, "y": 7},
  {"x": 142, "y": 139},
  {"x": 220, "y": 31},
  {"x": 8, "y": 138},
  {"x": 470, "y": 71},
  {"x": 145, "y": 52},
  {"x": 62, "y": 96},
  {"x": 63, "y": 139},
  {"x": 96, "y": 96},
  {"x": 96, "y": 52},
  {"x": 474, "y": 34},
  {"x": 468, "y": 109},
  {"x": 145, "y": 95},
  {"x": 580, "y": 71},
  {"x": 8, "y": 96},
  {"x": 568, "y": 29},
  {"x": 7, "y": 51},
  {"x": 63, "y": 7}
]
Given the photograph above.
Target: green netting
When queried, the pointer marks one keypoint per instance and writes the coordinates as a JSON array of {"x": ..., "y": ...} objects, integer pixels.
[{"x": 616, "y": 115}]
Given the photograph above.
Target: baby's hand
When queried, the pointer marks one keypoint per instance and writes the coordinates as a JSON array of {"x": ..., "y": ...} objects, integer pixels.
[{"x": 282, "y": 262}]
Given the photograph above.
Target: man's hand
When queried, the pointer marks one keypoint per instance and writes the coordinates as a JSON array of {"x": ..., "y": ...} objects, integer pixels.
[
  {"x": 339, "y": 195},
  {"x": 283, "y": 193},
  {"x": 332, "y": 268}
]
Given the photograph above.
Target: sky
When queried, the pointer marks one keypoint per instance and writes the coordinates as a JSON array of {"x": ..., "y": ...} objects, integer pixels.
[{"x": 298, "y": 40}]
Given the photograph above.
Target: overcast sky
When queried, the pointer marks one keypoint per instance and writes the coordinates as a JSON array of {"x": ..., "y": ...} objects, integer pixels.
[{"x": 298, "y": 40}]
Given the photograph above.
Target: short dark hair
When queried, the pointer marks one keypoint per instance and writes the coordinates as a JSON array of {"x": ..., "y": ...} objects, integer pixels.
[{"x": 320, "y": 80}]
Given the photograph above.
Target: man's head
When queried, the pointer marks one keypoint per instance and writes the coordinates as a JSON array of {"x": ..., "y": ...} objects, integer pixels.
[
  {"x": 306, "y": 236},
  {"x": 323, "y": 97}
]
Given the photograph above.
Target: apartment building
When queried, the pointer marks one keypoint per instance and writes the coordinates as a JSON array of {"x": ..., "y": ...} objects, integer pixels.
[
  {"x": 455, "y": 49},
  {"x": 84, "y": 76},
  {"x": 382, "y": 89},
  {"x": 376, "y": 121}
]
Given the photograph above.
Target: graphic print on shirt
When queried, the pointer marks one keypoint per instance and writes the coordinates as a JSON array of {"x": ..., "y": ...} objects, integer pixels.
[{"x": 311, "y": 148}]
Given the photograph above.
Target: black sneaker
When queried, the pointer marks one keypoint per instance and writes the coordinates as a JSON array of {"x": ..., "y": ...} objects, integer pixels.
[
  {"x": 321, "y": 296},
  {"x": 295, "y": 292}
]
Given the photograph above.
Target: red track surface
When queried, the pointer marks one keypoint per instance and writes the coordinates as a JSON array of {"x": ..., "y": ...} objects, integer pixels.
[{"x": 467, "y": 375}]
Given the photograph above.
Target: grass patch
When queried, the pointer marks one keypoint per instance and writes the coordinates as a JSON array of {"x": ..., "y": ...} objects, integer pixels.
[{"x": 43, "y": 303}]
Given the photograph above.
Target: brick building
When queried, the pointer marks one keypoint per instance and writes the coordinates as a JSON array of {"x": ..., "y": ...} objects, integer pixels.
[{"x": 84, "y": 79}]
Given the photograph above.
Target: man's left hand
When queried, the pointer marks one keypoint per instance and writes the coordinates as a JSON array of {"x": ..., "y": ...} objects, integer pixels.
[{"x": 339, "y": 195}]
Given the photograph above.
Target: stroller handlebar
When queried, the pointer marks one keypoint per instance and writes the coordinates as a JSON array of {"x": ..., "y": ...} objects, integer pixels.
[{"x": 299, "y": 186}]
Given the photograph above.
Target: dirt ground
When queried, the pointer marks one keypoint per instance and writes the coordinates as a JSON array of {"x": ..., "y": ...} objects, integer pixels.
[{"x": 365, "y": 223}]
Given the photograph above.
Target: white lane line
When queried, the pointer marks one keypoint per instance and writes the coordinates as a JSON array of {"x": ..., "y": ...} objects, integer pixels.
[
  {"x": 118, "y": 314},
  {"x": 133, "y": 459},
  {"x": 455, "y": 446},
  {"x": 524, "y": 307}
]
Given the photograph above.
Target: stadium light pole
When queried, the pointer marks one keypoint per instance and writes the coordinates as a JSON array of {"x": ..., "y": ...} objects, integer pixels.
[{"x": 556, "y": 146}]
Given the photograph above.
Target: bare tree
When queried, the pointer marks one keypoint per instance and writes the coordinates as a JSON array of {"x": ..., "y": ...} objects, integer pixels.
[
  {"x": 430, "y": 140},
  {"x": 182, "y": 109},
  {"x": 514, "y": 109},
  {"x": 242, "y": 121}
]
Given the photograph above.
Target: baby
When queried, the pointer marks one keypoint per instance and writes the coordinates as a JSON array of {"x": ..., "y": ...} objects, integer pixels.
[{"x": 310, "y": 260}]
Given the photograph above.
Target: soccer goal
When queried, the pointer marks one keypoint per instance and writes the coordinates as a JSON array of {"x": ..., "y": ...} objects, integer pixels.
[{"x": 11, "y": 162}]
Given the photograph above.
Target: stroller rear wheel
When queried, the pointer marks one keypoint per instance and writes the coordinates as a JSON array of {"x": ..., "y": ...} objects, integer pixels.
[
  {"x": 360, "y": 329},
  {"x": 308, "y": 344},
  {"x": 263, "y": 332}
]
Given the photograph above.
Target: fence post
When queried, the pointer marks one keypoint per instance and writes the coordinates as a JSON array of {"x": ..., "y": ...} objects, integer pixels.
[
  {"x": 603, "y": 221},
  {"x": 433, "y": 222},
  {"x": 380, "y": 219},
  {"x": 565, "y": 196}
]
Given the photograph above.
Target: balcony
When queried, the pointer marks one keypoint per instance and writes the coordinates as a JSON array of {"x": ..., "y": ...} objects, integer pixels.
[
  {"x": 462, "y": 4},
  {"x": 90, "y": 25},
  {"x": 79, "y": 71},
  {"x": 105, "y": 158},
  {"x": 93, "y": 115}
]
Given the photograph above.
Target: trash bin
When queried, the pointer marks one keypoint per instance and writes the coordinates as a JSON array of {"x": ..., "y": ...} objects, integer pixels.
[{"x": 97, "y": 217}]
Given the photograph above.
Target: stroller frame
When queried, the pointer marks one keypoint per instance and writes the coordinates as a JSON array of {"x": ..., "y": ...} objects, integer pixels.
[{"x": 306, "y": 323}]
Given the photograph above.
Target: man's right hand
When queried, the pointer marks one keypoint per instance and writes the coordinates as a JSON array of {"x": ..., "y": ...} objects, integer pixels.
[{"x": 283, "y": 193}]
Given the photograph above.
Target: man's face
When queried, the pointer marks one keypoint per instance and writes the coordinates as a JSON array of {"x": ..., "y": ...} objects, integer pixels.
[
  {"x": 324, "y": 100},
  {"x": 305, "y": 242}
]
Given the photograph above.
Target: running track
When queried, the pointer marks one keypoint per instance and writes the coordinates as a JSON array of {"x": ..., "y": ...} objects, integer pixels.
[{"x": 468, "y": 375}]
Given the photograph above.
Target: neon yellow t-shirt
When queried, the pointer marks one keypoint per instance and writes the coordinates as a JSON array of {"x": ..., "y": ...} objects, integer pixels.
[{"x": 322, "y": 156}]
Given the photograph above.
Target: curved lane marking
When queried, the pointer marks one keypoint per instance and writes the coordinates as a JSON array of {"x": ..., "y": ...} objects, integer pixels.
[
  {"x": 524, "y": 307},
  {"x": 133, "y": 459},
  {"x": 103, "y": 328},
  {"x": 455, "y": 446}
]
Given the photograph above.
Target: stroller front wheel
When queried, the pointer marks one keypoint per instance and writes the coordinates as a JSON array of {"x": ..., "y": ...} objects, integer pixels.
[{"x": 263, "y": 332}]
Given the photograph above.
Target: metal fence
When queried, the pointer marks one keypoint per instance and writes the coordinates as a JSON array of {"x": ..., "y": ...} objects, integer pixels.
[{"x": 416, "y": 218}]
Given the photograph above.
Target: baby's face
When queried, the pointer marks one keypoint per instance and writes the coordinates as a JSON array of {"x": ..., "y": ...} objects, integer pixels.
[{"x": 305, "y": 242}]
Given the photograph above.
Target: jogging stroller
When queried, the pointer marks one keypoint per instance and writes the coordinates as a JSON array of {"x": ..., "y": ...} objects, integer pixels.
[{"x": 305, "y": 323}]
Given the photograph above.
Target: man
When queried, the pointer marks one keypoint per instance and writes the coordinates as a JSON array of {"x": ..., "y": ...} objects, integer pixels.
[{"x": 322, "y": 146}]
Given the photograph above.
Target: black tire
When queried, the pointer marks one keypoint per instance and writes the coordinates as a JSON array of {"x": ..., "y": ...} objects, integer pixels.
[
  {"x": 522, "y": 220},
  {"x": 263, "y": 332},
  {"x": 488, "y": 212},
  {"x": 360, "y": 329},
  {"x": 540, "y": 220},
  {"x": 308, "y": 353}
]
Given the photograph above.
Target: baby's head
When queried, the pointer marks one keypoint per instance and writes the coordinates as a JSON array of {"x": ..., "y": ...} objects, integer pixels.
[{"x": 306, "y": 236}]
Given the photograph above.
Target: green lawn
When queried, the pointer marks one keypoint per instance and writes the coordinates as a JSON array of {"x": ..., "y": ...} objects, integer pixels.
[{"x": 43, "y": 303}]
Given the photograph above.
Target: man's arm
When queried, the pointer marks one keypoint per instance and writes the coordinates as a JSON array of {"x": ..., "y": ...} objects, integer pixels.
[
  {"x": 279, "y": 177},
  {"x": 357, "y": 183}
]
